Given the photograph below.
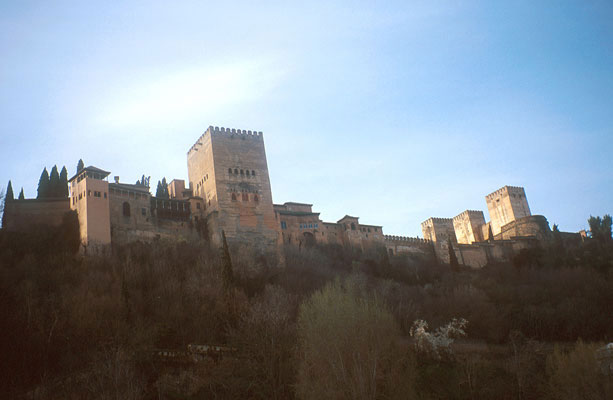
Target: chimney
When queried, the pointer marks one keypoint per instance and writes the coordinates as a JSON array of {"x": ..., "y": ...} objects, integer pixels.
[{"x": 116, "y": 179}]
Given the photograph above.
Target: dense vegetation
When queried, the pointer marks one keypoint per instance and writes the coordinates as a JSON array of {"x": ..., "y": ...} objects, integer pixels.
[{"x": 321, "y": 323}]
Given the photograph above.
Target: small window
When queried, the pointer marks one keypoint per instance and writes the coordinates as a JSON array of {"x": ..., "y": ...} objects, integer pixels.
[
  {"x": 352, "y": 226},
  {"x": 105, "y": 195},
  {"x": 242, "y": 172},
  {"x": 198, "y": 206},
  {"x": 245, "y": 197},
  {"x": 310, "y": 225},
  {"x": 89, "y": 193},
  {"x": 256, "y": 198},
  {"x": 247, "y": 172},
  {"x": 235, "y": 171},
  {"x": 283, "y": 225},
  {"x": 252, "y": 173},
  {"x": 143, "y": 211},
  {"x": 233, "y": 197},
  {"x": 126, "y": 209}
]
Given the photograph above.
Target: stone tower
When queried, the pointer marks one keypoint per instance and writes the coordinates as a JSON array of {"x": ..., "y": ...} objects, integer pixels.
[
  {"x": 438, "y": 229},
  {"x": 89, "y": 196},
  {"x": 505, "y": 205},
  {"x": 228, "y": 169},
  {"x": 467, "y": 226}
]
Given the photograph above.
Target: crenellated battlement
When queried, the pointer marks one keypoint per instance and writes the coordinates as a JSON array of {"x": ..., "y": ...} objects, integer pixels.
[
  {"x": 467, "y": 213},
  {"x": 216, "y": 130},
  {"x": 505, "y": 189},
  {"x": 436, "y": 219},
  {"x": 405, "y": 239}
]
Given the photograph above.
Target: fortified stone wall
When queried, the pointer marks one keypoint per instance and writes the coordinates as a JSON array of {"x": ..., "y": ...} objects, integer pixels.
[
  {"x": 397, "y": 245},
  {"x": 533, "y": 226},
  {"x": 25, "y": 215}
]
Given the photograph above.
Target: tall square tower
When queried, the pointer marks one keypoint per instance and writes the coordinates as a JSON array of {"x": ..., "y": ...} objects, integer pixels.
[
  {"x": 467, "y": 226},
  {"x": 228, "y": 169},
  {"x": 90, "y": 199},
  {"x": 505, "y": 205},
  {"x": 438, "y": 229}
]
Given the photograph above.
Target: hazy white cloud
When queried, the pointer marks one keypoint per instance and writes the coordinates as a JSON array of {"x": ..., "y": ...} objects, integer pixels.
[{"x": 181, "y": 95}]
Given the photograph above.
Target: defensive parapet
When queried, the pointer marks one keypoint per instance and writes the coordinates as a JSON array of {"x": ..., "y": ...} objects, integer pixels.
[
  {"x": 407, "y": 245},
  {"x": 504, "y": 189},
  {"x": 216, "y": 130},
  {"x": 405, "y": 239},
  {"x": 467, "y": 213}
]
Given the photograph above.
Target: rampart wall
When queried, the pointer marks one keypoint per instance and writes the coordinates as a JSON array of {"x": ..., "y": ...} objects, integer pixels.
[{"x": 24, "y": 215}]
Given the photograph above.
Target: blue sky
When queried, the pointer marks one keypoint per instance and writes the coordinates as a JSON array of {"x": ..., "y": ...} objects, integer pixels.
[{"x": 390, "y": 111}]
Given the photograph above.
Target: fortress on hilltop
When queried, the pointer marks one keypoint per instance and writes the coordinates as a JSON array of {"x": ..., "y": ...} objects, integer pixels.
[{"x": 229, "y": 191}]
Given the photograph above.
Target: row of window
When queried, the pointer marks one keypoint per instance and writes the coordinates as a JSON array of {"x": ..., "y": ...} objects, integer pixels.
[
  {"x": 201, "y": 183},
  {"x": 241, "y": 172},
  {"x": 76, "y": 198},
  {"x": 309, "y": 226},
  {"x": 126, "y": 193},
  {"x": 245, "y": 197}
]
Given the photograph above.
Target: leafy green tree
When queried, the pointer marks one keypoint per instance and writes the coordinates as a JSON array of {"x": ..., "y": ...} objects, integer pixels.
[
  {"x": 576, "y": 375},
  {"x": 80, "y": 165},
  {"x": 43, "y": 185},
  {"x": 54, "y": 183},
  {"x": 9, "y": 192},
  {"x": 64, "y": 182},
  {"x": 600, "y": 228},
  {"x": 347, "y": 345},
  {"x": 21, "y": 195}
]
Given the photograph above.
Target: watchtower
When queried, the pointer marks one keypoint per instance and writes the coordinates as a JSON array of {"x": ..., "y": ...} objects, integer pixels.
[
  {"x": 506, "y": 205},
  {"x": 228, "y": 169},
  {"x": 89, "y": 197}
]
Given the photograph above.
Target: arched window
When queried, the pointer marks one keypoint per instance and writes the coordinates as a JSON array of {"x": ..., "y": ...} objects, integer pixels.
[
  {"x": 352, "y": 226},
  {"x": 242, "y": 172},
  {"x": 256, "y": 198},
  {"x": 233, "y": 197},
  {"x": 252, "y": 173},
  {"x": 230, "y": 171},
  {"x": 126, "y": 209},
  {"x": 235, "y": 171},
  {"x": 245, "y": 197},
  {"x": 247, "y": 172}
]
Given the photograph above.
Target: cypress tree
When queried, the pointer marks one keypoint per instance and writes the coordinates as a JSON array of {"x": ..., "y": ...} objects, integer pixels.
[
  {"x": 80, "y": 165},
  {"x": 64, "y": 182},
  {"x": 43, "y": 185},
  {"x": 490, "y": 234},
  {"x": 9, "y": 192},
  {"x": 159, "y": 192},
  {"x": 227, "y": 276},
  {"x": 54, "y": 183},
  {"x": 165, "y": 188},
  {"x": 21, "y": 195},
  {"x": 453, "y": 259}
]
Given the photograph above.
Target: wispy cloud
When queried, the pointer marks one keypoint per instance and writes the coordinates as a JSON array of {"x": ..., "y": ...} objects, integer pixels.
[{"x": 183, "y": 94}]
